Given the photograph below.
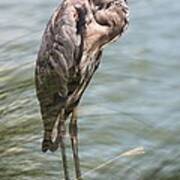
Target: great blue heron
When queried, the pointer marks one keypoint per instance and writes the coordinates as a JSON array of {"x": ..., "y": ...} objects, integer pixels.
[{"x": 70, "y": 53}]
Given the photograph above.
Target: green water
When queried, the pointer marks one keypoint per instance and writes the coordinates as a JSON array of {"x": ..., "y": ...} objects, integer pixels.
[{"x": 133, "y": 100}]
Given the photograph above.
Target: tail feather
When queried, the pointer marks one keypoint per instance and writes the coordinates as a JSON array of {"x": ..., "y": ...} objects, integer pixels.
[
  {"x": 49, "y": 145},
  {"x": 51, "y": 138},
  {"x": 51, "y": 123}
]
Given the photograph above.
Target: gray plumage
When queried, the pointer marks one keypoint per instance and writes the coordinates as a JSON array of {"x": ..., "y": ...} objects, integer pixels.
[{"x": 69, "y": 55}]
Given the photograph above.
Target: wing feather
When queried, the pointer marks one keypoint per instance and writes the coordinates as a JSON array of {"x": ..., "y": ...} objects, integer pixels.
[{"x": 57, "y": 55}]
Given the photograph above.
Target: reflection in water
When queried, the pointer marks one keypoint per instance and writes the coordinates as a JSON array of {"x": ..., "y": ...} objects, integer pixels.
[{"x": 132, "y": 102}]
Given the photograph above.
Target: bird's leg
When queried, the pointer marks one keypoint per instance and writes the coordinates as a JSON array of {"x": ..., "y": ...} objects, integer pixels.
[
  {"x": 62, "y": 134},
  {"x": 73, "y": 130}
]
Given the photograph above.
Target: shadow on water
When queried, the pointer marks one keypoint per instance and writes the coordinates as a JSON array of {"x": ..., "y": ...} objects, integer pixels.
[{"x": 133, "y": 100}]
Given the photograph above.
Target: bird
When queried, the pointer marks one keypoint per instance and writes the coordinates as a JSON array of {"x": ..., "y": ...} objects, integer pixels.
[{"x": 69, "y": 54}]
